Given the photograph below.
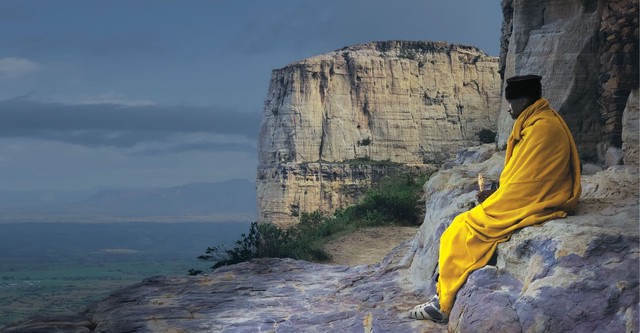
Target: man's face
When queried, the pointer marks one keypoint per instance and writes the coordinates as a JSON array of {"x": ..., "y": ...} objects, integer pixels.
[{"x": 516, "y": 106}]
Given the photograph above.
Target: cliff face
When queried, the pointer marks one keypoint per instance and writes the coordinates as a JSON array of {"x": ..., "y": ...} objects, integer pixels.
[
  {"x": 410, "y": 103},
  {"x": 587, "y": 54}
]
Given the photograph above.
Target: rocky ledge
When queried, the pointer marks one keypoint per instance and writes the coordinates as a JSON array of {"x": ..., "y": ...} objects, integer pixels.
[
  {"x": 264, "y": 295},
  {"x": 578, "y": 274}
]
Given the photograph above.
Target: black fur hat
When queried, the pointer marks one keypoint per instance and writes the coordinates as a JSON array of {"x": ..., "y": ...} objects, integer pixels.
[{"x": 523, "y": 86}]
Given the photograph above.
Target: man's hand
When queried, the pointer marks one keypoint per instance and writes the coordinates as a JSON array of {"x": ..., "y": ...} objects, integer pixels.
[{"x": 483, "y": 195}]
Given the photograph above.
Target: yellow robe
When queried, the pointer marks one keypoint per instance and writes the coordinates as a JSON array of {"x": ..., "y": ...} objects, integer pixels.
[{"x": 540, "y": 182}]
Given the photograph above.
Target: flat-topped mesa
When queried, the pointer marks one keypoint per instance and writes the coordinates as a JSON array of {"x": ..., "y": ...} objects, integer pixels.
[
  {"x": 411, "y": 103},
  {"x": 385, "y": 100}
]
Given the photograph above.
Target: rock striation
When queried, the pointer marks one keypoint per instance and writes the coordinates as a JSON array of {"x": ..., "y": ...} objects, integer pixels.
[
  {"x": 335, "y": 122},
  {"x": 587, "y": 54},
  {"x": 630, "y": 130}
]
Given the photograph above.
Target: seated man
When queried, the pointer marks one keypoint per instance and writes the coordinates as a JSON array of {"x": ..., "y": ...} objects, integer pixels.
[{"x": 540, "y": 182}]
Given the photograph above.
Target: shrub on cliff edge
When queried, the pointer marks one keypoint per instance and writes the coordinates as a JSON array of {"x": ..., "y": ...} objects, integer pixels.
[
  {"x": 487, "y": 135},
  {"x": 393, "y": 201}
]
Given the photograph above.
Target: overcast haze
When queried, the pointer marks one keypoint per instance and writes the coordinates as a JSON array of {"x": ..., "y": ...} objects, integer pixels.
[{"x": 165, "y": 93}]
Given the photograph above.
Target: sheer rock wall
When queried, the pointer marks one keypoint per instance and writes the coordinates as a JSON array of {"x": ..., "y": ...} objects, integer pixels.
[
  {"x": 332, "y": 122},
  {"x": 587, "y": 54}
]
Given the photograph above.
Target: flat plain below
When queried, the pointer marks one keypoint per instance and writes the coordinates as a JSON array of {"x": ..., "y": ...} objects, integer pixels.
[{"x": 60, "y": 268}]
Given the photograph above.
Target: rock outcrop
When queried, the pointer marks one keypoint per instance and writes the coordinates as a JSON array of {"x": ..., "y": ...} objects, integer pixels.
[
  {"x": 333, "y": 122},
  {"x": 578, "y": 274},
  {"x": 587, "y": 54},
  {"x": 267, "y": 295}
]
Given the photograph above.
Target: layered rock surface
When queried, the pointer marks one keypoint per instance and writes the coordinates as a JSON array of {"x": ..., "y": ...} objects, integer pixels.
[
  {"x": 578, "y": 274},
  {"x": 410, "y": 103}
]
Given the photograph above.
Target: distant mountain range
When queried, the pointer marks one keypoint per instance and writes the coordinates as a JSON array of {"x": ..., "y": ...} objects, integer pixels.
[{"x": 231, "y": 200}]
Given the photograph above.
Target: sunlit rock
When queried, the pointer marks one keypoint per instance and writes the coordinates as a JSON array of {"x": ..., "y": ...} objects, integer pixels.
[{"x": 332, "y": 123}]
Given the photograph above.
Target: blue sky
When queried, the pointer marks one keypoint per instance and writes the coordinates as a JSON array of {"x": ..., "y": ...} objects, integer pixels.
[{"x": 142, "y": 93}]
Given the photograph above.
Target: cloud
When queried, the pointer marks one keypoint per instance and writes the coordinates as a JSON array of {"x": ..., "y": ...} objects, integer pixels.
[
  {"x": 137, "y": 129},
  {"x": 13, "y": 67}
]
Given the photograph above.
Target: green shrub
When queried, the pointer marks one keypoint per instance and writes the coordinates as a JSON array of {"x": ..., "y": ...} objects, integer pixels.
[
  {"x": 364, "y": 142},
  {"x": 487, "y": 135},
  {"x": 392, "y": 201},
  {"x": 246, "y": 249},
  {"x": 269, "y": 241}
]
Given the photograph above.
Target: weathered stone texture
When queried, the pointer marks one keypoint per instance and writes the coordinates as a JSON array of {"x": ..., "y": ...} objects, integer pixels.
[
  {"x": 618, "y": 65},
  {"x": 587, "y": 53},
  {"x": 506, "y": 29},
  {"x": 265, "y": 295},
  {"x": 630, "y": 129},
  {"x": 578, "y": 274},
  {"x": 413, "y": 103}
]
